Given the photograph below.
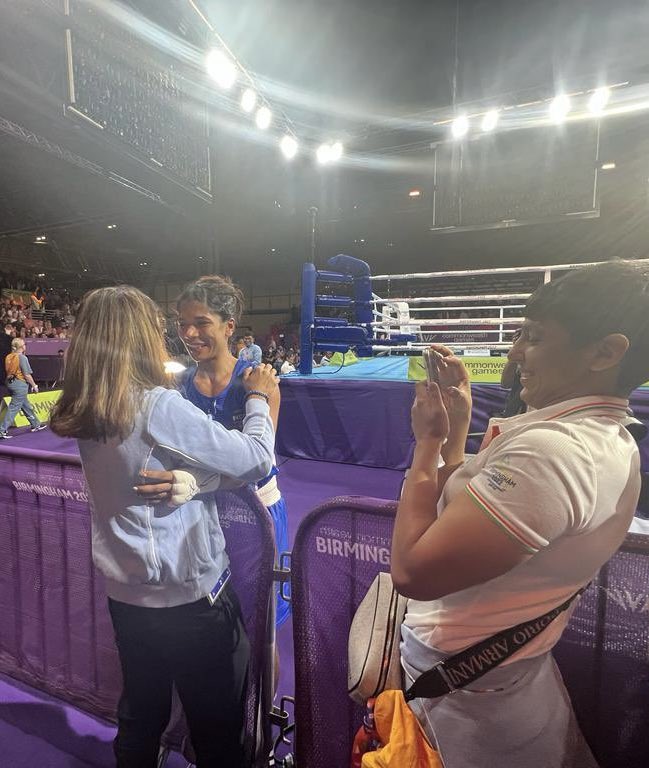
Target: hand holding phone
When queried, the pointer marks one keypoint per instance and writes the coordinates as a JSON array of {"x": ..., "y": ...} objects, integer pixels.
[{"x": 431, "y": 365}]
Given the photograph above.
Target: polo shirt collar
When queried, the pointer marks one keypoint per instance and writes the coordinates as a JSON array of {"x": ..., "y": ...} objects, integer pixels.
[{"x": 593, "y": 406}]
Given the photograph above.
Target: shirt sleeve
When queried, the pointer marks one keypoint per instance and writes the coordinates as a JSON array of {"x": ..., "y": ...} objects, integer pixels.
[
  {"x": 25, "y": 367},
  {"x": 537, "y": 486},
  {"x": 256, "y": 354},
  {"x": 196, "y": 441}
]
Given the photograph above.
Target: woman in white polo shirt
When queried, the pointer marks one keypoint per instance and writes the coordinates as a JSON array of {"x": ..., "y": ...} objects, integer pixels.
[{"x": 517, "y": 530}]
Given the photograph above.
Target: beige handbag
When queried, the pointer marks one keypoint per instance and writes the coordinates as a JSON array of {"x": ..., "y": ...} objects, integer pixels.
[{"x": 374, "y": 662}]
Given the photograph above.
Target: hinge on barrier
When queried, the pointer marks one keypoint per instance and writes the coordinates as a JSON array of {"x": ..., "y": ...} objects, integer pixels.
[{"x": 282, "y": 574}]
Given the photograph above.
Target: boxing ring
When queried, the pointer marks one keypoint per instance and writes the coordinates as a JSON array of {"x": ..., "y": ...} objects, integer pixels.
[
  {"x": 342, "y": 310},
  {"x": 359, "y": 413}
]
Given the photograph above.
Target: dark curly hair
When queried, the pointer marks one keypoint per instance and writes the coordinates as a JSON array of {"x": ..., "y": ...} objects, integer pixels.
[{"x": 218, "y": 293}]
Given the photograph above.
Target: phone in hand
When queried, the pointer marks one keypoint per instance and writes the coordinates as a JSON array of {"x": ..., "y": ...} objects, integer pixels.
[{"x": 431, "y": 366}]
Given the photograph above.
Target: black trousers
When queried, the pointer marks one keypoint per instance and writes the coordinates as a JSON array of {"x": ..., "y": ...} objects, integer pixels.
[{"x": 204, "y": 650}]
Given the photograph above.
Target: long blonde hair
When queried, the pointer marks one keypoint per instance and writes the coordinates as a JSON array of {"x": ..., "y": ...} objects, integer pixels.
[{"x": 117, "y": 352}]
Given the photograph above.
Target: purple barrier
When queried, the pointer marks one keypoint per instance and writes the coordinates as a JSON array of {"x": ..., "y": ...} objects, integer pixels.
[
  {"x": 368, "y": 422},
  {"x": 339, "y": 548},
  {"x": 604, "y": 662},
  {"x": 48, "y": 347},
  {"x": 55, "y": 632},
  {"x": 342, "y": 545}
]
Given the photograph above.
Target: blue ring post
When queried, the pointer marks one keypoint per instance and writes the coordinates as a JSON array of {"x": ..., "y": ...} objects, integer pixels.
[{"x": 309, "y": 277}]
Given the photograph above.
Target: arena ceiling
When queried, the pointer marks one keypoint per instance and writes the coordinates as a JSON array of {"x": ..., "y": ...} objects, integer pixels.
[{"x": 370, "y": 72}]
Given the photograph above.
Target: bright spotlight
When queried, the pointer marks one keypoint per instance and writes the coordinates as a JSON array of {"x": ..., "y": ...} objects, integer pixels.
[
  {"x": 248, "y": 100},
  {"x": 460, "y": 126},
  {"x": 324, "y": 154},
  {"x": 221, "y": 68},
  {"x": 490, "y": 120},
  {"x": 263, "y": 118},
  {"x": 598, "y": 100},
  {"x": 288, "y": 145},
  {"x": 559, "y": 108}
]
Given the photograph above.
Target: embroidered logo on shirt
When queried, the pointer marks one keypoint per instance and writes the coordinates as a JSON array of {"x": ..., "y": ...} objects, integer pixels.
[{"x": 498, "y": 479}]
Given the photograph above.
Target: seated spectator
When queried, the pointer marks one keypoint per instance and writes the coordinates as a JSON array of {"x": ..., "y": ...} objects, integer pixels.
[{"x": 288, "y": 366}]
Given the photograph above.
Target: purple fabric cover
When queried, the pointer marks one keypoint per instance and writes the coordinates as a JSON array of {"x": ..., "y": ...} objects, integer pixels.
[
  {"x": 368, "y": 422},
  {"x": 338, "y": 550},
  {"x": 46, "y": 346},
  {"x": 56, "y": 633},
  {"x": 342, "y": 545},
  {"x": 603, "y": 658}
]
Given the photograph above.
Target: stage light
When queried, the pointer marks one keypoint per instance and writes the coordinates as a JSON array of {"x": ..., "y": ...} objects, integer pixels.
[
  {"x": 559, "y": 108},
  {"x": 490, "y": 120},
  {"x": 460, "y": 126},
  {"x": 221, "y": 68},
  {"x": 289, "y": 146},
  {"x": 263, "y": 118},
  {"x": 323, "y": 154},
  {"x": 248, "y": 100},
  {"x": 336, "y": 151},
  {"x": 414, "y": 193},
  {"x": 173, "y": 366},
  {"x": 598, "y": 100},
  {"x": 608, "y": 166},
  {"x": 111, "y": 226}
]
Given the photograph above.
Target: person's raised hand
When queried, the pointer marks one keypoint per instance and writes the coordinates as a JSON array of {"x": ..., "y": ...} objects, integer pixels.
[
  {"x": 428, "y": 416},
  {"x": 454, "y": 383},
  {"x": 263, "y": 378}
]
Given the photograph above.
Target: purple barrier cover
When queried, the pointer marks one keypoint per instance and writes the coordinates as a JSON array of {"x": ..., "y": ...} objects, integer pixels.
[
  {"x": 46, "y": 346},
  {"x": 603, "y": 659},
  {"x": 56, "y": 632},
  {"x": 368, "y": 422},
  {"x": 339, "y": 549}
]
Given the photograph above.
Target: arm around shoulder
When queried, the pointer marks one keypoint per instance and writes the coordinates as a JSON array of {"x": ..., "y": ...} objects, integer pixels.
[{"x": 195, "y": 440}]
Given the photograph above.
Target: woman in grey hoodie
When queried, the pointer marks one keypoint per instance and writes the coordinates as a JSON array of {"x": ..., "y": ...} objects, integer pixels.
[{"x": 175, "y": 614}]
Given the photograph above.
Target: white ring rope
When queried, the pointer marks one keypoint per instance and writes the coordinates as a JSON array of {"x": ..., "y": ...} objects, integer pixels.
[
  {"x": 493, "y": 271},
  {"x": 441, "y": 299}
]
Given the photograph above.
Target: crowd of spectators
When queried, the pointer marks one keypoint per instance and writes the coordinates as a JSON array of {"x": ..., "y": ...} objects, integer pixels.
[
  {"x": 283, "y": 355},
  {"x": 31, "y": 311}
]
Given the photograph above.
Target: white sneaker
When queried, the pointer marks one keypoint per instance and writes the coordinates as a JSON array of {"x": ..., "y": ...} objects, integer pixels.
[
  {"x": 39, "y": 427},
  {"x": 5, "y": 436}
]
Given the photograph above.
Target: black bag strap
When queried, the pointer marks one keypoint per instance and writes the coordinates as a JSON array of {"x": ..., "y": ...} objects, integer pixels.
[{"x": 469, "y": 665}]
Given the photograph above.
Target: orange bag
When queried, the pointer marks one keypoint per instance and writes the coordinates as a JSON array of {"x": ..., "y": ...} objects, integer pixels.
[{"x": 404, "y": 742}]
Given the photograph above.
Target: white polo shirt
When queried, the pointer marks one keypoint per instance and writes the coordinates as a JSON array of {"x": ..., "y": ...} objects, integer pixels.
[{"x": 563, "y": 482}]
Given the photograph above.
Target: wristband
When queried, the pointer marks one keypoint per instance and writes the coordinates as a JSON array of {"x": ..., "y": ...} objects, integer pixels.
[{"x": 258, "y": 394}]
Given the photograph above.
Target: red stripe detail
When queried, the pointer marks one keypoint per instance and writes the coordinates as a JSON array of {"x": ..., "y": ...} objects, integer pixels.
[{"x": 503, "y": 520}]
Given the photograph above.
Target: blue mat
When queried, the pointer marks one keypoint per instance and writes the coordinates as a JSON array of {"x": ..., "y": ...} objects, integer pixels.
[{"x": 377, "y": 368}]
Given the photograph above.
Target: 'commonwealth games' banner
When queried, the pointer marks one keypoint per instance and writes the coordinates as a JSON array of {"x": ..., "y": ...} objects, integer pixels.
[
  {"x": 43, "y": 403},
  {"x": 482, "y": 370}
]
